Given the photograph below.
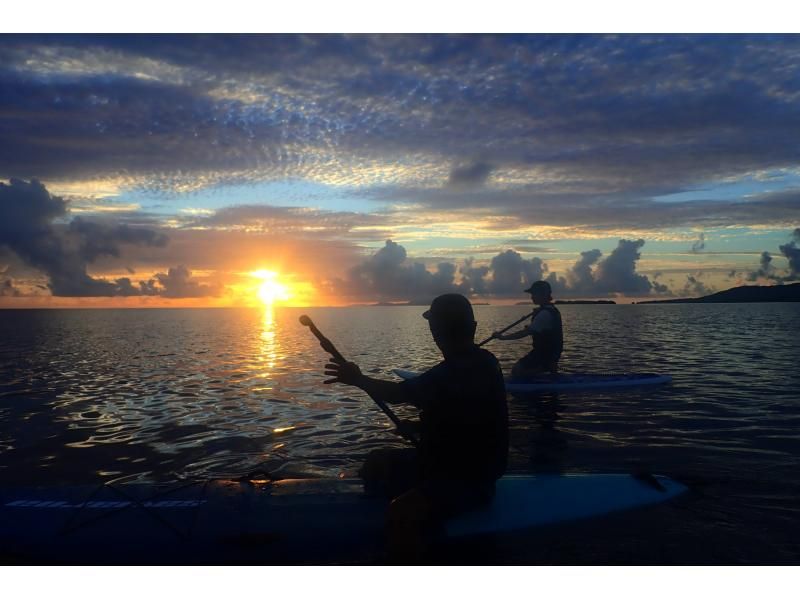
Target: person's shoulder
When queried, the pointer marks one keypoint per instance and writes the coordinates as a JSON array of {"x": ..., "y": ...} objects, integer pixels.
[
  {"x": 553, "y": 313},
  {"x": 437, "y": 371},
  {"x": 487, "y": 369},
  {"x": 546, "y": 312},
  {"x": 486, "y": 357}
]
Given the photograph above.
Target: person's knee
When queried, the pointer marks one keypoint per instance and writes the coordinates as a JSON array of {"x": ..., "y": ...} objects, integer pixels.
[
  {"x": 519, "y": 369},
  {"x": 374, "y": 465},
  {"x": 389, "y": 472}
]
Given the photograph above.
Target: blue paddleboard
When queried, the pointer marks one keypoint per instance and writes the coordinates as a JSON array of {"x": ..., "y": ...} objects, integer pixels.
[{"x": 570, "y": 382}]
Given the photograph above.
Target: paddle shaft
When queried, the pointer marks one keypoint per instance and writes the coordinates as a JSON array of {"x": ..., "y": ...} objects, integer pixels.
[
  {"x": 509, "y": 327},
  {"x": 325, "y": 343},
  {"x": 328, "y": 346}
]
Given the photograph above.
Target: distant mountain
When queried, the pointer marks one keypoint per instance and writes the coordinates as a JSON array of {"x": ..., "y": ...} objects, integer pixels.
[{"x": 745, "y": 294}]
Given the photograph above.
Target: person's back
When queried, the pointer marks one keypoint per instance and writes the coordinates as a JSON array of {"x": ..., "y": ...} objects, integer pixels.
[
  {"x": 547, "y": 336},
  {"x": 464, "y": 418}
]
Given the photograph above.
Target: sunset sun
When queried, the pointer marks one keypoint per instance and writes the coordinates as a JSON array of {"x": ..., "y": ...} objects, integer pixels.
[{"x": 271, "y": 290}]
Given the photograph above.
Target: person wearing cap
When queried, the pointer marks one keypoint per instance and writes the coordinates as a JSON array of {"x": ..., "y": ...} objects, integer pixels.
[
  {"x": 463, "y": 431},
  {"x": 546, "y": 331}
]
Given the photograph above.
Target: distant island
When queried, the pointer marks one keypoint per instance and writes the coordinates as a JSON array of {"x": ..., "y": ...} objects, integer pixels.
[
  {"x": 576, "y": 302},
  {"x": 744, "y": 294},
  {"x": 407, "y": 303}
]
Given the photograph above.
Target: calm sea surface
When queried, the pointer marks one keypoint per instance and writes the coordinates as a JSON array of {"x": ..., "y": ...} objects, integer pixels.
[{"x": 90, "y": 396}]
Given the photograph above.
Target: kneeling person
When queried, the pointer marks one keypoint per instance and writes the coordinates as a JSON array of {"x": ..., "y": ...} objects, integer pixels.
[{"x": 546, "y": 332}]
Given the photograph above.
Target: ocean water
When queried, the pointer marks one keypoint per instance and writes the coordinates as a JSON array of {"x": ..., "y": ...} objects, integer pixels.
[{"x": 89, "y": 396}]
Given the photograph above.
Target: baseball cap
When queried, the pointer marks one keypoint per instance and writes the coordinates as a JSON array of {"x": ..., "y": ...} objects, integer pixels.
[
  {"x": 540, "y": 287},
  {"x": 450, "y": 308}
]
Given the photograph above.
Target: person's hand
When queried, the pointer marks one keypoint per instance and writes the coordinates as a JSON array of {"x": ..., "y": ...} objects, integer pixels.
[{"x": 345, "y": 372}]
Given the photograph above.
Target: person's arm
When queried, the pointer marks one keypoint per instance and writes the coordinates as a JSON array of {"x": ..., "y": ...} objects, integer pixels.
[
  {"x": 512, "y": 336},
  {"x": 349, "y": 373}
]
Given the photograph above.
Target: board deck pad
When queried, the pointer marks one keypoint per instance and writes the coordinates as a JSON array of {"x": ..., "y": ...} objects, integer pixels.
[{"x": 285, "y": 521}]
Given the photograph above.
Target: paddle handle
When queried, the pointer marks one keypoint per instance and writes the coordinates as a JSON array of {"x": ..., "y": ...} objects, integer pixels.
[
  {"x": 329, "y": 347},
  {"x": 326, "y": 344},
  {"x": 509, "y": 327}
]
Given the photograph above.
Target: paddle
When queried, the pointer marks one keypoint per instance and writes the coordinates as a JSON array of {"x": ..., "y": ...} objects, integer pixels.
[
  {"x": 329, "y": 348},
  {"x": 509, "y": 327}
]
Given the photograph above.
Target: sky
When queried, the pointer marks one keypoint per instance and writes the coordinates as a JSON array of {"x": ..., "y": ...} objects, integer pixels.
[{"x": 165, "y": 170}]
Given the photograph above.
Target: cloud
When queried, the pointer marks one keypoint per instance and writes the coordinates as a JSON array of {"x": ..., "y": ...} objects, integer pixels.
[
  {"x": 512, "y": 274},
  {"x": 792, "y": 253},
  {"x": 695, "y": 287},
  {"x": 700, "y": 244},
  {"x": 616, "y": 274},
  {"x": 7, "y": 288},
  {"x": 661, "y": 289},
  {"x": 101, "y": 239},
  {"x": 764, "y": 269},
  {"x": 471, "y": 175},
  {"x": 125, "y": 288},
  {"x": 30, "y": 226},
  {"x": 598, "y": 210},
  {"x": 178, "y": 282},
  {"x": 297, "y": 221},
  {"x": 473, "y": 278},
  {"x": 388, "y": 275},
  {"x": 579, "y": 279}
]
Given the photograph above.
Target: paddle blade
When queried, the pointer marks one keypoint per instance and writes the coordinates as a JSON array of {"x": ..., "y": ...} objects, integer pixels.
[{"x": 306, "y": 321}]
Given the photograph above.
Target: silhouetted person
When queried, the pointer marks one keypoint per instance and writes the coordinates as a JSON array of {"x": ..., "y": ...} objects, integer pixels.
[
  {"x": 546, "y": 331},
  {"x": 463, "y": 431}
]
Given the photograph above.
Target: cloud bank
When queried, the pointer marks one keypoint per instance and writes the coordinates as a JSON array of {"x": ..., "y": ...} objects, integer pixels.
[
  {"x": 766, "y": 270},
  {"x": 792, "y": 253},
  {"x": 33, "y": 226},
  {"x": 390, "y": 275}
]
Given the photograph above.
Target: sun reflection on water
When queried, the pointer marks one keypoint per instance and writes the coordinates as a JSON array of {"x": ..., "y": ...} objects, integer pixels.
[{"x": 269, "y": 347}]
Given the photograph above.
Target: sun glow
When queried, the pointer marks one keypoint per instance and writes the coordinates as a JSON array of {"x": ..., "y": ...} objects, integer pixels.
[{"x": 271, "y": 290}]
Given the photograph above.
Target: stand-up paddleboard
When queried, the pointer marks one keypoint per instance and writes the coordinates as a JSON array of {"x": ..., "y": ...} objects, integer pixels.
[
  {"x": 570, "y": 382},
  {"x": 286, "y": 521}
]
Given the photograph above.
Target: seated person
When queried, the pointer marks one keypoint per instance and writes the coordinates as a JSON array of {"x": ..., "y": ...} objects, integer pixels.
[{"x": 463, "y": 432}]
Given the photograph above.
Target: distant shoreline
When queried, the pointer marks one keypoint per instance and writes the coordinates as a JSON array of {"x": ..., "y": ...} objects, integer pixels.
[
  {"x": 745, "y": 294},
  {"x": 787, "y": 293}
]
